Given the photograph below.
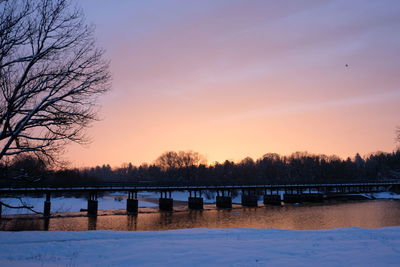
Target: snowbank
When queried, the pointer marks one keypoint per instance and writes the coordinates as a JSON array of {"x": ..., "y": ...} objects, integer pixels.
[{"x": 199, "y": 247}]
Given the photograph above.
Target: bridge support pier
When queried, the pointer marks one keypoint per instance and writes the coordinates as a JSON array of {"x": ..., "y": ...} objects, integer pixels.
[
  {"x": 292, "y": 198},
  {"x": 93, "y": 204},
  {"x": 298, "y": 198},
  {"x": 195, "y": 202},
  {"x": 249, "y": 198},
  {"x": 166, "y": 203},
  {"x": 47, "y": 206},
  {"x": 272, "y": 200},
  {"x": 394, "y": 188},
  {"x": 313, "y": 197},
  {"x": 224, "y": 202},
  {"x": 132, "y": 203}
]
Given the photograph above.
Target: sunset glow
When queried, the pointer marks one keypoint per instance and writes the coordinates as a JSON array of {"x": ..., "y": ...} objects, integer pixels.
[{"x": 231, "y": 79}]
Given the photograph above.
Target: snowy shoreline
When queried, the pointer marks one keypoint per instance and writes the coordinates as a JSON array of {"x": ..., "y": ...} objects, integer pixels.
[
  {"x": 203, "y": 247},
  {"x": 117, "y": 201}
]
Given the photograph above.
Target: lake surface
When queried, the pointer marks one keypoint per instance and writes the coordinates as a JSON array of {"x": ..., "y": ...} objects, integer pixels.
[{"x": 365, "y": 214}]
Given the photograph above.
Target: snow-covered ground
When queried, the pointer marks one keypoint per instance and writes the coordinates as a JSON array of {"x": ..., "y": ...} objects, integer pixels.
[
  {"x": 117, "y": 200},
  {"x": 113, "y": 200},
  {"x": 69, "y": 204},
  {"x": 176, "y": 195},
  {"x": 203, "y": 247},
  {"x": 183, "y": 196},
  {"x": 385, "y": 195}
]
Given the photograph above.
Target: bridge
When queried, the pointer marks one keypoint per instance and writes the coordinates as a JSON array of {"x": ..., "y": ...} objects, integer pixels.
[{"x": 273, "y": 194}]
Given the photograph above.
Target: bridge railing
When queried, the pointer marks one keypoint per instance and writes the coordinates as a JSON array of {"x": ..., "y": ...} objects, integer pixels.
[{"x": 115, "y": 186}]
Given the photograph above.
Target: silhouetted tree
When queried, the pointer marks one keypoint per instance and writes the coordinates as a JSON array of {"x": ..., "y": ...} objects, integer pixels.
[
  {"x": 27, "y": 168},
  {"x": 398, "y": 135},
  {"x": 181, "y": 159},
  {"x": 300, "y": 167},
  {"x": 51, "y": 73},
  {"x": 168, "y": 160}
]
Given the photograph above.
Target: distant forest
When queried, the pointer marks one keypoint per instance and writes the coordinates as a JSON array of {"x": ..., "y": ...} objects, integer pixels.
[{"x": 189, "y": 168}]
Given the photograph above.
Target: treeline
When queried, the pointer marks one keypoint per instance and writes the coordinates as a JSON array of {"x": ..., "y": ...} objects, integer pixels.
[{"x": 189, "y": 168}]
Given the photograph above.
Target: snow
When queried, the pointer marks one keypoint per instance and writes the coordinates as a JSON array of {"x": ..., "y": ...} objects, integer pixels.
[
  {"x": 176, "y": 195},
  {"x": 69, "y": 204},
  {"x": 113, "y": 200},
  {"x": 184, "y": 195},
  {"x": 385, "y": 195},
  {"x": 199, "y": 247},
  {"x": 117, "y": 200}
]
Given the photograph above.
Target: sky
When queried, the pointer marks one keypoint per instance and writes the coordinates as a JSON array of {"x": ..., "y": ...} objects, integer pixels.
[{"x": 231, "y": 79}]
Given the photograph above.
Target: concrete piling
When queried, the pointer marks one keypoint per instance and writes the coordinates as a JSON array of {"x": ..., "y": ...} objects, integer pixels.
[
  {"x": 315, "y": 197},
  {"x": 93, "y": 204},
  {"x": 47, "y": 206},
  {"x": 132, "y": 203},
  {"x": 298, "y": 198},
  {"x": 165, "y": 202},
  {"x": 292, "y": 198},
  {"x": 92, "y": 207},
  {"x": 224, "y": 202},
  {"x": 195, "y": 203},
  {"x": 272, "y": 200},
  {"x": 249, "y": 200}
]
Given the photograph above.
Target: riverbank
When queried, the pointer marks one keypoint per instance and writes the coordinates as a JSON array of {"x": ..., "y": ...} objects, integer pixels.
[{"x": 200, "y": 247}]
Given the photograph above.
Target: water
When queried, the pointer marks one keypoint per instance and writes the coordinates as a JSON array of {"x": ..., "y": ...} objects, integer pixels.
[{"x": 365, "y": 214}]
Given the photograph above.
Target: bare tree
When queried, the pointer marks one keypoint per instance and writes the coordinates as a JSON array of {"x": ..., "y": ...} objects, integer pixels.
[
  {"x": 181, "y": 159},
  {"x": 167, "y": 160},
  {"x": 51, "y": 74},
  {"x": 190, "y": 158},
  {"x": 398, "y": 134}
]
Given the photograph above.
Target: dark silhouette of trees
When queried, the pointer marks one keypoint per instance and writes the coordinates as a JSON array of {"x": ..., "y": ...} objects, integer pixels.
[
  {"x": 181, "y": 159},
  {"x": 51, "y": 73},
  {"x": 28, "y": 168},
  {"x": 300, "y": 167},
  {"x": 398, "y": 135}
]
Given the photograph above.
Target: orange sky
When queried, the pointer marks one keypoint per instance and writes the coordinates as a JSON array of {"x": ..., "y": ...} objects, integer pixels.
[{"x": 231, "y": 79}]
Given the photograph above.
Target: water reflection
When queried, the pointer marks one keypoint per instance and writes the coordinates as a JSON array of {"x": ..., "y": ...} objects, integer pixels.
[
  {"x": 132, "y": 222},
  {"x": 92, "y": 222},
  {"x": 46, "y": 224},
  {"x": 367, "y": 214}
]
